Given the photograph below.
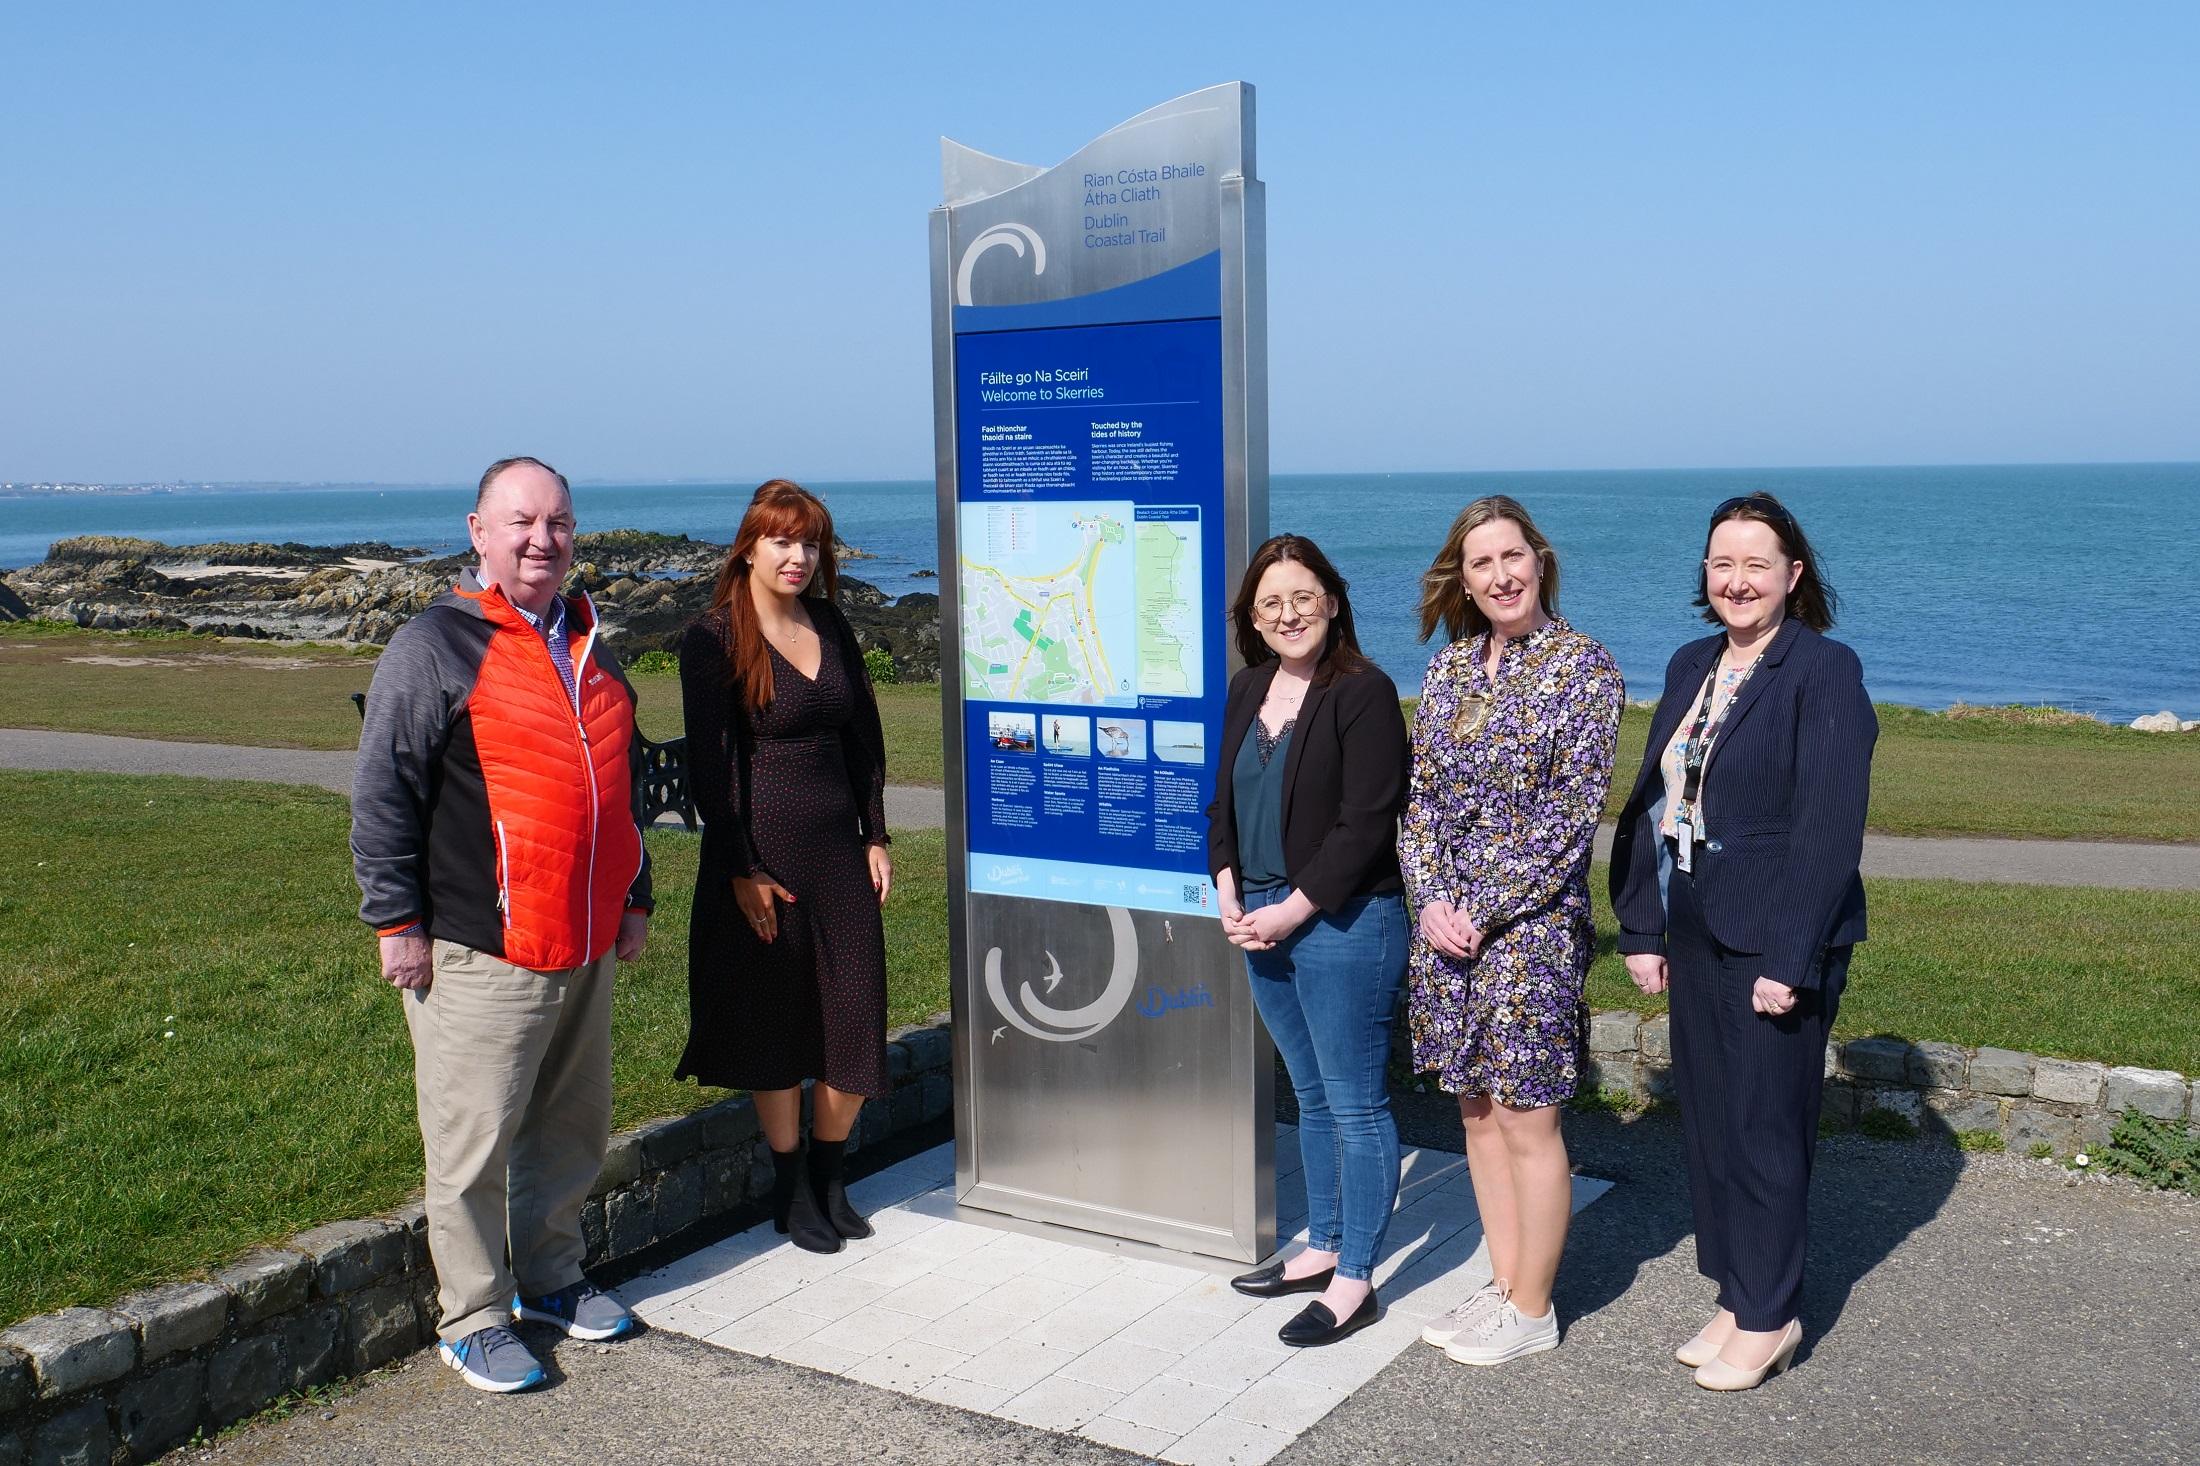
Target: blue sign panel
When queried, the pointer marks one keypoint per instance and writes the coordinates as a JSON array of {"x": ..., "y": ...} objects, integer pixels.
[{"x": 1090, "y": 495}]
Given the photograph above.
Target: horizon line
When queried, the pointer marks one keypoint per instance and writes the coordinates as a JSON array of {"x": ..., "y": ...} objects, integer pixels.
[{"x": 700, "y": 480}]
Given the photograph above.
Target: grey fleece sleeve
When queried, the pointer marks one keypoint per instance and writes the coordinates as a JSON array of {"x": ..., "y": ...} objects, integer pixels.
[
  {"x": 407, "y": 727},
  {"x": 639, "y": 896}
]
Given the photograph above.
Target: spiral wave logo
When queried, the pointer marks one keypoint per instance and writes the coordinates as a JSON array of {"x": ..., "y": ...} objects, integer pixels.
[
  {"x": 1033, "y": 1015},
  {"x": 1021, "y": 238}
]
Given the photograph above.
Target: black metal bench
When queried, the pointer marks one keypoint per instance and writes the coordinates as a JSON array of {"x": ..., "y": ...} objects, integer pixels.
[{"x": 664, "y": 776}]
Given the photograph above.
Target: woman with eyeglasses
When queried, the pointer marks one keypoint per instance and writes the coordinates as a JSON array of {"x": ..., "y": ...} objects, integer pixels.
[
  {"x": 1302, "y": 840},
  {"x": 1734, "y": 878},
  {"x": 1513, "y": 744}
]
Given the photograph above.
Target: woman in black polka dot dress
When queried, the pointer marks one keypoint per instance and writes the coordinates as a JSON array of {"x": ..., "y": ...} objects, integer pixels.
[{"x": 786, "y": 951}]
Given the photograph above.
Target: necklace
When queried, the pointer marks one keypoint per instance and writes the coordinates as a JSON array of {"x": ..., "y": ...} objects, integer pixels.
[
  {"x": 1473, "y": 715},
  {"x": 1278, "y": 699},
  {"x": 1477, "y": 703}
]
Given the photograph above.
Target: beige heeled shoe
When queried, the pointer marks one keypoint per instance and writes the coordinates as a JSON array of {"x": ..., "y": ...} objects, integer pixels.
[
  {"x": 1717, "y": 1374},
  {"x": 1699, "y": 1351}
]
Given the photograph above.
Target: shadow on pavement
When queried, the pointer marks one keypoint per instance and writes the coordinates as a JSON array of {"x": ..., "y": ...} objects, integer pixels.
[{"x": 1854, "y": 1227}]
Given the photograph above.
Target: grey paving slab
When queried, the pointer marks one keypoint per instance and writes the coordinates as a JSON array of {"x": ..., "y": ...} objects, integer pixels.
[{"x": 1043, "y": 1327}]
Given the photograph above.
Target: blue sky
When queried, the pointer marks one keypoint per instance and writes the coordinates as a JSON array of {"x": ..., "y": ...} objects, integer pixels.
[{"x": 391, "y": 242}]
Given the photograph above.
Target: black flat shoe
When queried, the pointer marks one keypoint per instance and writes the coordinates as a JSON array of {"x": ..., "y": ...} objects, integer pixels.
[
  {"x": 1269, "y": 1282},
  {"x": 1316, "y": 1325}
]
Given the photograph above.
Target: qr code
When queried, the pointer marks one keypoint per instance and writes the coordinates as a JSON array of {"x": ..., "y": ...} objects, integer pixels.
[{"x": 1195, "y": 894}]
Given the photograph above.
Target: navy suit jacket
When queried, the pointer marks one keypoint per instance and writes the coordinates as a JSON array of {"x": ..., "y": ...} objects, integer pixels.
[{"x": 1784, "y": 796}]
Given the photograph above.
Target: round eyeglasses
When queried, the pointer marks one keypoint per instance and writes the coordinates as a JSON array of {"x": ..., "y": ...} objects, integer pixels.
[{"x": 1269, "y": 609}]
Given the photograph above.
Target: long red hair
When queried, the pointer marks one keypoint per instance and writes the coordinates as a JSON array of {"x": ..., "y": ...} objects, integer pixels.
[{"x": 778, "y": 507}]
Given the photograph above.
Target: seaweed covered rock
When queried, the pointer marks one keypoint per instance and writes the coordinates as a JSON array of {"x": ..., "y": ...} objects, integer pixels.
[{"x": 646, "y": 587}]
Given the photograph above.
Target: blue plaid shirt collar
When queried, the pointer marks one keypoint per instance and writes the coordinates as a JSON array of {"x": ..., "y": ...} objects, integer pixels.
[
  {"x": 549, "y": 625},
  {"x": 552, "y": 627}
]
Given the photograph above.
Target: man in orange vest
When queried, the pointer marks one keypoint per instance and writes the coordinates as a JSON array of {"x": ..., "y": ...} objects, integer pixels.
[{"x": 496, "y": 839}]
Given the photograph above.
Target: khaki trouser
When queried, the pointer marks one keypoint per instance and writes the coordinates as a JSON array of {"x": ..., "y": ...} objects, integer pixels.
[{"x": 513, "y": 1072}]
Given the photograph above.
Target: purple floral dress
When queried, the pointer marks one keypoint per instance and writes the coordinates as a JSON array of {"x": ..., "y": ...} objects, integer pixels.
[{"x": 1508, "y": 781}]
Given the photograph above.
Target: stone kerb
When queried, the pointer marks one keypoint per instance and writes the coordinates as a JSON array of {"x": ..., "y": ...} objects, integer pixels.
[
  {"x": 128, "y": 1382},
  {"x": 1944, "y": 1089}
]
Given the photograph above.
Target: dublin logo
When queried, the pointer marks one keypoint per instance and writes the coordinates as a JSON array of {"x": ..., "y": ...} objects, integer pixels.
[
  {"x": 1038, "y": 1018},
  {"x": 1015, "y": 237}
]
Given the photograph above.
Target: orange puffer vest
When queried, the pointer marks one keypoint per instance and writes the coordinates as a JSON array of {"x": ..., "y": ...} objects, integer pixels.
[
  {"x": 487, "y": 803},
  {"x": 558, "y": 788}
]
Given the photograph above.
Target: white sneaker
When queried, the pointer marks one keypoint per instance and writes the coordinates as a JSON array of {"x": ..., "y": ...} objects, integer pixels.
[
  {"x": 1503, "y": 1335},
  {"x": 1440, "y": 1333}
]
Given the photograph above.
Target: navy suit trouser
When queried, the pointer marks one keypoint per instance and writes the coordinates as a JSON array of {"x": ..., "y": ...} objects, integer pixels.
[{"x": 1750, "y": 1086}]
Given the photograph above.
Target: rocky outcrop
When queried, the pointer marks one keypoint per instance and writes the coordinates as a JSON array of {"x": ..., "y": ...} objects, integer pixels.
[
  {"x": 2164, "y": 722},
  {"x": 646, "y": 586}
]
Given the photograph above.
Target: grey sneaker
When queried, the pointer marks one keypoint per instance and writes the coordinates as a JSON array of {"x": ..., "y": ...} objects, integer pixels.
[
  {"x": 492, "y": 1359},
  {"x": 584, "y": 1311},
  {"x": 1504, "y": 1334},
  {"x": 1440, "y": 1333}
]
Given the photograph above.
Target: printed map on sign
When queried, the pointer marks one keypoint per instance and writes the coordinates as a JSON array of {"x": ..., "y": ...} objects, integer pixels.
[
  {"x": 1048, "y": 602},
  {"x": 1171, "y": 643}
]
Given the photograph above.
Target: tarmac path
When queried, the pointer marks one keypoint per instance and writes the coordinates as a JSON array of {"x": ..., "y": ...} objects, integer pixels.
[
  {"x": 907, "y": 808},
  {"x": 1981, "y": 1308},
  {"x": 2132, "y": 865}
]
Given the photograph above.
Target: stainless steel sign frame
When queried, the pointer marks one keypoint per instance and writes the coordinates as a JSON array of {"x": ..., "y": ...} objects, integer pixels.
[{"x": 1100, "y": 400}]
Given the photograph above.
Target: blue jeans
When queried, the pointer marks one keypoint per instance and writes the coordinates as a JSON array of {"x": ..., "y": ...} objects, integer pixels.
[{"x": 1329, "y": 994}]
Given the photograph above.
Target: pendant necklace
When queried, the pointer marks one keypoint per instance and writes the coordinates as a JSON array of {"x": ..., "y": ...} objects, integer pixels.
[{"x": 1476, "y": 704}]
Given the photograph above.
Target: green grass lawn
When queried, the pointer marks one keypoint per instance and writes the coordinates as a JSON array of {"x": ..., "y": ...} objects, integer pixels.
[
  {"x": 1932, "y": 775},
  {"x": 2067, "y": 971},
  {"x": 223, "y": 912}
]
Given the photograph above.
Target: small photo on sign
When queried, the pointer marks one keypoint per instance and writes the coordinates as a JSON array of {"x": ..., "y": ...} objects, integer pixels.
[
  {"x": 1180, "y": 743},
  {"x": 1066, "y": 737},
  {"x": 1122, "y": 738},
  {"x": 1012, "y": 732}
]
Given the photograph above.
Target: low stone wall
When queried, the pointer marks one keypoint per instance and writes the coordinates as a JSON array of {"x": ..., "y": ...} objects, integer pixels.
[
  {"x": 1939, "y": 1088},
  {"x": 127, "y": 1382}
]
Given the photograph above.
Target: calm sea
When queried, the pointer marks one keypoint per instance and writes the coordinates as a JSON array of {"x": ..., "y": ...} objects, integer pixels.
[{"x": 2071, "y": 585}]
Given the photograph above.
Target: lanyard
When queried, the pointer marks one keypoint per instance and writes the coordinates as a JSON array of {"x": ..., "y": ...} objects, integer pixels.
[{"x": 1698, "y": 747}]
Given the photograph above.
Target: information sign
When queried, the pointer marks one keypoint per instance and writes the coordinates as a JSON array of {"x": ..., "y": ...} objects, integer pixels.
[{"x": 1100, "y": 408}]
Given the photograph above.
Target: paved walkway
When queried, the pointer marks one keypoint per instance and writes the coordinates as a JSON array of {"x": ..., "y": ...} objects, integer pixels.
[
  {"x": 1986, "y": 1309},
  {"x": 2024, "y": 862},
  {"x": 1135, "y": 1348},
  {"x": 101, "y": 753}
]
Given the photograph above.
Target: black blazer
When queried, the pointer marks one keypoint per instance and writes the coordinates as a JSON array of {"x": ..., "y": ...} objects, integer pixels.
[
  {"x": 1784, "y": 800},
  {"x": 1344, "y": 782}
]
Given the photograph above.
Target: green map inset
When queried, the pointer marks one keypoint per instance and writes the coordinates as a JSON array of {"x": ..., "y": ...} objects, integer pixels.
[{"x": 1171, "y": 641}]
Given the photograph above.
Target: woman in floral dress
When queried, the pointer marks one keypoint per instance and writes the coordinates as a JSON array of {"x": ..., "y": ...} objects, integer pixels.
[{"x": 1512, "y": 753}]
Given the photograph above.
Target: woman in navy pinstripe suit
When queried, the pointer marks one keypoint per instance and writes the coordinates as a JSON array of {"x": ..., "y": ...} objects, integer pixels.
[{"x": 1734, "y": 877}]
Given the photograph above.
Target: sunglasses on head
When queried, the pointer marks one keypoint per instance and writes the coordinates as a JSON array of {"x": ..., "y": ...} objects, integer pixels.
[{"x": 1763, "y": 504}]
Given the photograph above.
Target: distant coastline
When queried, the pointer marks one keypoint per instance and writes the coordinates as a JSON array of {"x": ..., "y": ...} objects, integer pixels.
[
  {"x": 48, "y": 489},
  {"x": 1947, "y": 574}
]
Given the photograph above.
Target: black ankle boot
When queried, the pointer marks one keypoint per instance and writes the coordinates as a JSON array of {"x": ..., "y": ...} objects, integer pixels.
[
  {"x": 794, "y": 1206},
  {"x": 832, "y": 1195}
]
